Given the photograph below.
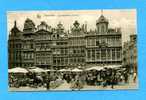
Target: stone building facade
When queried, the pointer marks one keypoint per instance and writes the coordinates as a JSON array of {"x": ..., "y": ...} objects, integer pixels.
[
  {"x": 104, "y": 45},
  {"x": 15, "y": 47},
  {"x": 55, "y": 48},
  {"x": 130, "y": 53}
]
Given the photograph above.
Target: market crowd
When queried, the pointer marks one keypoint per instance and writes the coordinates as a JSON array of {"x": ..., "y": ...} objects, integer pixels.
[{"x": 77, "y": 80}]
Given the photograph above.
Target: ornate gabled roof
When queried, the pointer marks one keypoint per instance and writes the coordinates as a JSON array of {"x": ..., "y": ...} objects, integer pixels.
[
  {"x": 29, "y": 24},
  {"x": 60, "y": 26},
  {"x": 76, "y": 30},
  {"x": 76, "y": 23},
  {"x": 102, "y": 19},
  {"x": 44, "y": 26},
  {"x": 42, "y": 31},
  {"x": 76, "y": 27},
  {"x": 59, "y": 29},
  {"x": 44, "y": 23}
]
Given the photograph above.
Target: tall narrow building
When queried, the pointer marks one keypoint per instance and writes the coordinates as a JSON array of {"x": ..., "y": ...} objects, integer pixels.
[
  {"x": 59, "y": 47},
  {"x": 28, "y": 43},
  {"x": 43, "y": 44},
  {"x": 76, "y": 46},
  {"x": 15, "y": 47}
]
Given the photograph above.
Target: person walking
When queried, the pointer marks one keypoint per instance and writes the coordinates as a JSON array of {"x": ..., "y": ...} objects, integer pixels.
[
  {"x": 134, "y": 77},
  {"x": 48, "y": 82}
]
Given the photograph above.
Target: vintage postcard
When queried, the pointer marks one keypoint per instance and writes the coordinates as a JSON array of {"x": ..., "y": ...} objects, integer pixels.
[{"x": 72, "y": 50}]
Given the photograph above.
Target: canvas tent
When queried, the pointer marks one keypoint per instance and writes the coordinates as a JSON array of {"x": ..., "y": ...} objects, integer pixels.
[
  {"x": 36, "y": 69},
  {"x": 77, "y": 70},
  {"x": 18, "y": 70},
  {"x": 98, "y": 68},
  {"x": 113, "y": 66}
]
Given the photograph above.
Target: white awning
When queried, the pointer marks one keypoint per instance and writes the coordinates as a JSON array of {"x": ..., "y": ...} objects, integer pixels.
[
  {"x": 62, "y": 70},
  {"x": 17, "y": 70},
  {"x": 77, "y": 70},
  {"x": 112, "y": 66},
  {"x": 36, "y": 69},
  {"x": 95, "y": 68},
  {"x": 50, "y": 70},
  {"x": 47, "y": 70},
  {"x": 65, "y": 70}
]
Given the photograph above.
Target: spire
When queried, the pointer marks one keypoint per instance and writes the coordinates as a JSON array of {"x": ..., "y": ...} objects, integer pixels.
[
  {"x": 86, "y": 26},
  {"x": 60, "y": 25},
  {"x": 38, "y": 16},
  {"x": 59, "y": 22},
  {"x": 15, "y": 30},
  {"x": 102, "y": 18},
  {"x": 29, "y": 24},
  {"x": 102, "y": 12},
  {"x": 15, "y": 23}
]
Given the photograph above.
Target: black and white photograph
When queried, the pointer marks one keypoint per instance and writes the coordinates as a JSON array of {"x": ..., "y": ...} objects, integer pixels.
[{"x": 72, "y": 50}]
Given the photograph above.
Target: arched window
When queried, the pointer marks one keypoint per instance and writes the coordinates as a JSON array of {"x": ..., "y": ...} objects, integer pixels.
[
  {"x": 57, "y": 36},
  {"x": 54, "y": 36}
]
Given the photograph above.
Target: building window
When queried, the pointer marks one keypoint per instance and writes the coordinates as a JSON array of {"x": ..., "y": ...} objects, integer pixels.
[
  {"x": 54, "y": 61},
  {"x": 108, "y": 54},
  {"x": 97, "y": 43},
  {"x": 62, "y": 51},
  {"x": 113, "y": 54},
  {"x": 93, "y": 54},
  {"x": 57, "y": 36},
  {"x": 53, "y": 36},
  {"x": 32, "y": 56},
  {"x": 102, "y": 28},
  {"x": 74, "y": 51},
  {"x": 71, "y": 60},
  {"x": 90, "y": 42},
  {"x": 66, "y": 60},
  {"x": 31, "y": 46},
  {"x": 118, "y": 54},
  {"x": 82, "y": 50},
  {"x": 97, "y": 54},
  {"x": 89, "y": 54},
  {"x": 103, "y": 54},
  {"x": 75, "y": 60},
  {"x": 83, "y": 60},
  {"x": 66, "y": 52}
]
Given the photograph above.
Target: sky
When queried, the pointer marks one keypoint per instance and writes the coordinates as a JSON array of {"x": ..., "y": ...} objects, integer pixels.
[{"x": 126, "y": 19}]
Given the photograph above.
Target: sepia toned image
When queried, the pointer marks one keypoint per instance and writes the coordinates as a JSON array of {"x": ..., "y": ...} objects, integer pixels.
[{"x": 72, "y": 50}]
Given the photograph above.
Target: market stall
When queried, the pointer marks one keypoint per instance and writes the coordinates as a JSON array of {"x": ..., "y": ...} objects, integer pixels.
[{"x": 17, "y": 77}]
